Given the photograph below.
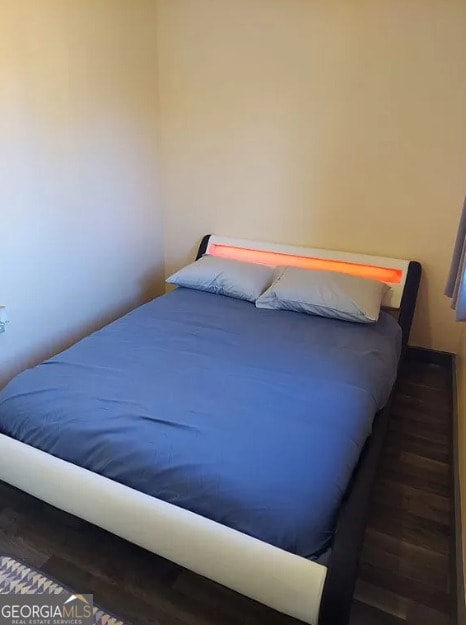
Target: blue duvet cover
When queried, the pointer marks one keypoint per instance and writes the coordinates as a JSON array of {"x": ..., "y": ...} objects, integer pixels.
[{"x": 253, "y": 418}]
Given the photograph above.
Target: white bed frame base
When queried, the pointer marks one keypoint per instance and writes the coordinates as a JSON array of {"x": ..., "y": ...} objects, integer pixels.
[
  {"x": 281, "y": 580},
  {"x": 284, "y": 581}
]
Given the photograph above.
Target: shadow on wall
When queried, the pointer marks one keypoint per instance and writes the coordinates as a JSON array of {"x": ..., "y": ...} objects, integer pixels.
[{"x": 151, "y": 287}]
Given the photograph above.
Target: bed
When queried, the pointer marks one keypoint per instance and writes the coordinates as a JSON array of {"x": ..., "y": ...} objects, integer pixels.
[{"x": 199, "y": 425}]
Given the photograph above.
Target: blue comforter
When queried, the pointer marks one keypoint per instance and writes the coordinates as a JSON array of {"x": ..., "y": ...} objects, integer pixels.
[{"x": 253, "y": 418}]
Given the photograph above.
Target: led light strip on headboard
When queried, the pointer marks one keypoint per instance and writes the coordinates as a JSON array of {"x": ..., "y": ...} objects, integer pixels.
[
  {"x": 391, "y": 271},
  {"x": 277, "y": 259}
]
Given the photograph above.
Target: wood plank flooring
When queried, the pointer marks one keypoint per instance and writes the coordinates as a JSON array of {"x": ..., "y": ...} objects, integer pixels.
[{"x": 405, "y": 561}]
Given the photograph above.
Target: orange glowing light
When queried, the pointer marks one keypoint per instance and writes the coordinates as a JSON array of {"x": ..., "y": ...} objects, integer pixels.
[{"x": 259, "y": 257}]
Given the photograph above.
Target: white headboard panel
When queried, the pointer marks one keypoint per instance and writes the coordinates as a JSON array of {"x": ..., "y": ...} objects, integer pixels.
[{"x": 393, "y": 271}]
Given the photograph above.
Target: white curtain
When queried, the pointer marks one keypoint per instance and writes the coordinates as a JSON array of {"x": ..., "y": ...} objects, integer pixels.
[{"x": 456, "y": 286}]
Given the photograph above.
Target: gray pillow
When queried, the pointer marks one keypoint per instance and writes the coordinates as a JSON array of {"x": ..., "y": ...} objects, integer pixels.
[
  {"x": 225, "y": 277},
  {"x": 325, "y": 293}
]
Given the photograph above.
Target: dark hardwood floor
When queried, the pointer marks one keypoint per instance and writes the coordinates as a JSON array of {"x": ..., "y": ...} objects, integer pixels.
[{"x": 405, "y": 562}]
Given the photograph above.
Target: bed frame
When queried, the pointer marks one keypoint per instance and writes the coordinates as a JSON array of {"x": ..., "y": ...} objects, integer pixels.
[{"x": 312, "y": 592}]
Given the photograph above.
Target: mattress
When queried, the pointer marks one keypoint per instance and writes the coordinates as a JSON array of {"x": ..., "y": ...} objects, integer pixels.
[{"x": 252, "y": 418}]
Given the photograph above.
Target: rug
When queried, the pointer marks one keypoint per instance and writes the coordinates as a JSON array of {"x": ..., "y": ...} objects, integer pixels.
[{"x": 17, "y": 578}]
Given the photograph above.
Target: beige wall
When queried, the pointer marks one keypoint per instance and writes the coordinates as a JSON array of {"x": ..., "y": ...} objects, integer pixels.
[
  {"x": 338, "y": 124},
  {"x": 80, "y": 225}
]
